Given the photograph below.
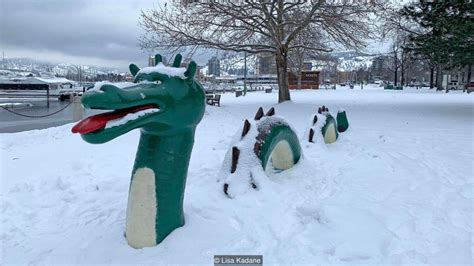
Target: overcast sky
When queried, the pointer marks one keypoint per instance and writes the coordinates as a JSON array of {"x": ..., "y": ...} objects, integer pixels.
[{"x": 95, "y": 32}]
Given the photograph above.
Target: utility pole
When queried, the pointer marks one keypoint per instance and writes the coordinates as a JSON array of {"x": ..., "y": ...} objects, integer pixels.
[{"x": 245, "y": 73}]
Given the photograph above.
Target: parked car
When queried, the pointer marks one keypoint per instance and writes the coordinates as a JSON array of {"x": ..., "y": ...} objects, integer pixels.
[
  {"x": 454, "y": 85},
  {"x": 342, "y": 84}
]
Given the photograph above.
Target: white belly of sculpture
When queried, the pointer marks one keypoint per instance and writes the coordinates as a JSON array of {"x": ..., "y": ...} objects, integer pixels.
[
  {"x": 141, "y": 212},
  {"x": 330, "y": 135}
]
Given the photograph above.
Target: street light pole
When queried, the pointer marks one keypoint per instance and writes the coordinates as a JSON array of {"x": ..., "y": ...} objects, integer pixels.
[{"x": 245, "y": 73}]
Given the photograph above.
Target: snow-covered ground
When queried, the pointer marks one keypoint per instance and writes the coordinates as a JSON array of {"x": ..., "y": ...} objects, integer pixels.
[{"x": 397, "y": 188}]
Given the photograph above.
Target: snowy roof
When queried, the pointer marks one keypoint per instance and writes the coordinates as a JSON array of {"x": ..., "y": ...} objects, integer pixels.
[
  {"x": 227, "y": 77},
  {"x": 36, "y": 80},
  {"x": 53, "y": 80}
]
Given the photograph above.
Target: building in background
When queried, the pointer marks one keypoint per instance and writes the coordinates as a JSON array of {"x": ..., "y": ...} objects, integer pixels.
[
  {"x": 380, "y": 68},
  {"x": 214, "y": 66},
  {"x": 307, "y": 66},
  {"x": 151, "y": 60},
  {"x": 35, "y": 84}
]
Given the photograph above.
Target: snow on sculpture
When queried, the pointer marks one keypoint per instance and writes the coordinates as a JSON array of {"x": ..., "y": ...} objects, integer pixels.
[
  {"x": 324, "y": 122},
  {"x": 268, "y": 143},
  {"x": 166, "y": 103}
]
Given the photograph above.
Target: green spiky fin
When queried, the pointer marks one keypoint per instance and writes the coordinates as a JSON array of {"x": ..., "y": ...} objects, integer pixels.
[
  {"x": 158, "y": 59},
  {"x": 133, "y": 69},
  {"x": 191, "y": 71},
  {"x": 177, "y": 60}
]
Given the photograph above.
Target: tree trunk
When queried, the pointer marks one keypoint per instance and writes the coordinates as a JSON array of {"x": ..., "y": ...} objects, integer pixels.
[
  {"x": 469, "y": 69},
  {"x": 402, "y": 75},
  {"x": 431, "y": 77},
  {"x": 299, "y": 79},
  {"x": 439, "y": 78},
  {"x": 282, "y": 73},
  {"x": 395, "y": 77},
  {"x": 395, "y": 67}
]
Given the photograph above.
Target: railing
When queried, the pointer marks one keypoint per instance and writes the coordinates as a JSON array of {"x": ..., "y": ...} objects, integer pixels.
[
  {"x": 31, "y": 94},
  {"x": 26, "y": 95}
]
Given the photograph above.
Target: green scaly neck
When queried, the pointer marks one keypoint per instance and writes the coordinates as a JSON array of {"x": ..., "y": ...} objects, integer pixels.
[{"x": 168, "y": 157}]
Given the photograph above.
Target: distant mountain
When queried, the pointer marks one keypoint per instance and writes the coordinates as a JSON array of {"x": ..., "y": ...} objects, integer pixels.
[
  {"x": 233, "y": 63},
  {"x": 346, "y": 55},
  {"x": 26, "y": 65}
]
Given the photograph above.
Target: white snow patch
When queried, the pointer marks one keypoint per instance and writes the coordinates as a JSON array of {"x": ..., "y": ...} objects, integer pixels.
[
  {"x": 318, "y": 137},
  {"x": 249, "y": 169},
  {"x": 395, "y": 189},
  {"x": 12, "y": 105},
  {"x": 161, "y": 68},
  {"x": 120, "y": 85},
  {"x": 130, "y": 117}
]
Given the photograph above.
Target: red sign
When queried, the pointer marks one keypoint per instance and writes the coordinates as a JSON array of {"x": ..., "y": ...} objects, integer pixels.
[{"x": 309, "y": 80}]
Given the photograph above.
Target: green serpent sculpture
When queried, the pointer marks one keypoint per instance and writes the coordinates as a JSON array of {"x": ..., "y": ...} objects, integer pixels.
[
  {"x": 269, "y": 143},
  {"x": 329, "y": 127},
  {"x": 166, "y": 103},
  {"x": 266, "y": 142}
]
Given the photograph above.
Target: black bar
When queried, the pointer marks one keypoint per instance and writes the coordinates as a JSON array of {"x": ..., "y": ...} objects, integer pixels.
[{"x": 47, "y": 96}]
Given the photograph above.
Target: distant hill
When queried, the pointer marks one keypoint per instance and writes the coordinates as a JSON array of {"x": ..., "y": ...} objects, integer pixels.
[
  {"x": 26, "y": 65},
  {"x": 233, "y": 63}
]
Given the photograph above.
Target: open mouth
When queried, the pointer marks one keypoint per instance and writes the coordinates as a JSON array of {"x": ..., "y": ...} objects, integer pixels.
[{"x": 112, "y": 119}]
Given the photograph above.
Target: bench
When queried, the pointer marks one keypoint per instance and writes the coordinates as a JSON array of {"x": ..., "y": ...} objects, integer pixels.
[
  {"x": 213, "y": 99},
  {"x": 209, "y": 98}
]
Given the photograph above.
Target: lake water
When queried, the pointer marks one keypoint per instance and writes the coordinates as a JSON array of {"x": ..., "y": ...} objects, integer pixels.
[{"x": 13, "y": 123}]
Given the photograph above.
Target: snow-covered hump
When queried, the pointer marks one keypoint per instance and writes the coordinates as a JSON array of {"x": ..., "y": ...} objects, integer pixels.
[
  {"x": 161, "y": 68},
  {"x": 120, "y": 85}
]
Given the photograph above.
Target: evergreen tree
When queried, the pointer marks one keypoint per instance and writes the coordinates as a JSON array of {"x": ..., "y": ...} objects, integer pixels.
[{"x": 446, "y": 34}]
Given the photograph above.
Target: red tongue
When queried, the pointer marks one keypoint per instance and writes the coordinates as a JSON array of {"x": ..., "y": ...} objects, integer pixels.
[{"x": 96, "y": 122}]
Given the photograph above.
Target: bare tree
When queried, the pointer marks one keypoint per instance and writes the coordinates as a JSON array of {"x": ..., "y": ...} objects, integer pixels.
[
  {"x": 402, "y": 29},
  {"x": 266, "y": 26},
  {"x": 297, "y": 56}
]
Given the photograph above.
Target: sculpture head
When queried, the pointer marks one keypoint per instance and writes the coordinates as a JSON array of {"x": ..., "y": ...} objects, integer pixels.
[{"x": 164, "y": 100}]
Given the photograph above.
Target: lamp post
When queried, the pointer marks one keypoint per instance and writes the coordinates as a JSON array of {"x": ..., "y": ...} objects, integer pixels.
[{"x": 245, "y": 73}]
